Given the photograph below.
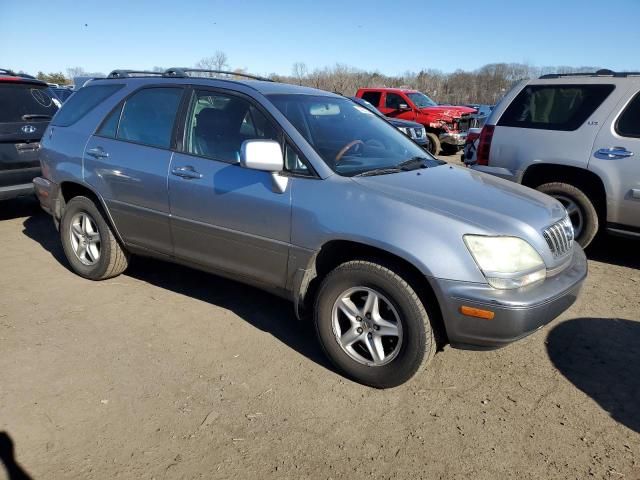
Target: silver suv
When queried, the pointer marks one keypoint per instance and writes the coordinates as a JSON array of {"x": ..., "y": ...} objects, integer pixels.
[
  {"x": 575, "y": 137},
  {"x": 313, "y": 197}
]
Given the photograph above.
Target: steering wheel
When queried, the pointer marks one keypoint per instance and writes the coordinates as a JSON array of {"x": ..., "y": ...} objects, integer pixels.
[{"x": 346, "y": 148}]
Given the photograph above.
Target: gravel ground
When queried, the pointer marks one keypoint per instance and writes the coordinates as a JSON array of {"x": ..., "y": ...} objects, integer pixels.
[{"x": 166, "y": 372}]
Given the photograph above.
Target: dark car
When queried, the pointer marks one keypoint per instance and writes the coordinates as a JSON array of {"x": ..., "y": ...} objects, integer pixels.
[
  {"x": 413, "y": 130},
  {"x": 26, "y": 106},
  {"x": 62, "y": 93}
]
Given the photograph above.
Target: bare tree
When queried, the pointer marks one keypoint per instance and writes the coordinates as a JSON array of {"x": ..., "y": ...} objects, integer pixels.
[
  {"x": 299, "y": 71},
  {"x": 219, "y": 61}
]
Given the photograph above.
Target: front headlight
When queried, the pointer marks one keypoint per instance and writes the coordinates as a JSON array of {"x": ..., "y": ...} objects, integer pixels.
[
  {"x": 403, "y": 130},
  {"x": 506, "y": 262}
]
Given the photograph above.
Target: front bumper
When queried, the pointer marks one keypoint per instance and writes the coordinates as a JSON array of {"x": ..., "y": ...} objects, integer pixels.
[
  {"x": 455, "y": 139},
  {"x": 517, "y": 312}
]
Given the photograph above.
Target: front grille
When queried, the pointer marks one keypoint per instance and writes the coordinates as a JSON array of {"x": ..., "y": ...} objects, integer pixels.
[{"x": 559, "y": 237}]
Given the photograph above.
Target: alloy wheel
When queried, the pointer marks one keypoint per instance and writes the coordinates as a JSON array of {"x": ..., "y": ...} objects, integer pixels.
[
  {"x": 85, "y": 238},
  {"x": 367, "y": 326}
]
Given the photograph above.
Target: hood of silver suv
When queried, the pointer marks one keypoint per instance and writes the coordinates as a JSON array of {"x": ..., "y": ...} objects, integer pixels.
[{"x": 488, "y": 204}]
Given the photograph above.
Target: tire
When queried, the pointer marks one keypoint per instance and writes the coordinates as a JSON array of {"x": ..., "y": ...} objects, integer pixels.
[
  {"x": 582, "y": 212},
  {"x": 404, "y": 354},
  {"x": 434, "y": 143},
  {"x": 103, "y": 255}
]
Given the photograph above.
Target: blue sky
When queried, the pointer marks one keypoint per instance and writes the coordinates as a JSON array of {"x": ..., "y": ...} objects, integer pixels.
[{"x": 269, "y": 36}]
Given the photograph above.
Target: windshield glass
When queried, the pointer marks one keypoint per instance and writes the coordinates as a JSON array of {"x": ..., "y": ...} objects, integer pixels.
[
  {"x": 420, "y": 100},
  {"x": 350, "y": 139}
]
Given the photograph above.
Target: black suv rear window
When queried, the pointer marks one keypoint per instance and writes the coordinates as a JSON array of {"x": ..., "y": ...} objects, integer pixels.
[
  {"x": 81, "y": 102},
  {"x": 21, "y": 103},
  {"x": 554, "y": 107}
]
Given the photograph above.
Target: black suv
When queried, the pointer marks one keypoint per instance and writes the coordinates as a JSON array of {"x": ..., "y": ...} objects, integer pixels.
[{"x": 26, "y": 106}]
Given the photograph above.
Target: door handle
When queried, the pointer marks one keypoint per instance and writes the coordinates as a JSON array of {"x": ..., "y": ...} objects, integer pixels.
[
  {"x": 613, "y": 152},
  {"x": 187, "y": 172},
  {"x": 97, "y": 152}
]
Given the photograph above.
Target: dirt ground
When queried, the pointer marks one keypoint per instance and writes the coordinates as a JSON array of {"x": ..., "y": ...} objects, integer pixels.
[{"x": 166, "y": 372}]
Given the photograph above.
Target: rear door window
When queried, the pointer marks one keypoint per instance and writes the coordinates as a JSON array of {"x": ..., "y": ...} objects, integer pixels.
[
  {"x": 554, "y": 107},
  {"x": 82, "y": 102},
  {"x": 372, "y": 97},
  {"x": 149, "y": 115},
  {"x": 628, "y": 125},
  {"x": 26, "y": 103}
]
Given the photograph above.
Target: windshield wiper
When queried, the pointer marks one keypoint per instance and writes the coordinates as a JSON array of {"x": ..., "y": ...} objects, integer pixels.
[
  {"x": 32, "y": 116},
  {"x": 379, "y": 171},
  {"x": 413, "y": 163}
]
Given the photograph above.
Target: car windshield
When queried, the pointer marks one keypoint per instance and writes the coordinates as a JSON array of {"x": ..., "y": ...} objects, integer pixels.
[
  {"x": 420, "y": 100},
  {"x": 350, "y": 139}
]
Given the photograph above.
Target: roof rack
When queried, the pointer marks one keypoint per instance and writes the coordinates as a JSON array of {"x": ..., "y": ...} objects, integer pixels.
[
  {"x": 182, "y": 72},
  {"x": 179, "y": 72},
  {"x": 600, "y": 73},
  {"x": 133, "y": 73}
]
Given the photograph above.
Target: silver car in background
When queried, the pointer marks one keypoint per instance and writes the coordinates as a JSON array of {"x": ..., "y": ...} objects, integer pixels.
[
  {"x": 575, "y": 137},
  {"x": 310, "y": 196}
]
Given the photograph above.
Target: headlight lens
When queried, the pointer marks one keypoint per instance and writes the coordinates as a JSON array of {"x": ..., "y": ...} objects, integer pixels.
[
  {"x": 403, "y": 130},
  {"x": 506, "y": 262}
]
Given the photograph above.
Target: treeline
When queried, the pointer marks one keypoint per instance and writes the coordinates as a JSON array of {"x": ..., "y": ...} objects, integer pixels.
[{"x": 487, "y": 84}]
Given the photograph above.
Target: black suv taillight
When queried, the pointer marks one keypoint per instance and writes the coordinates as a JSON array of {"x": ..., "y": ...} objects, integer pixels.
[{"x": 484, "y": 145}]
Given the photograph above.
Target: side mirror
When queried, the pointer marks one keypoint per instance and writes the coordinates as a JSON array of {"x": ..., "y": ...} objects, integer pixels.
[
  {"x": 403, "y": 106},
  {"x": 265, "y": 155}
]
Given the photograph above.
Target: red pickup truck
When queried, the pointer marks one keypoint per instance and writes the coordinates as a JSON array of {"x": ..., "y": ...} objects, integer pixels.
[{"x": 446, "y": 125}]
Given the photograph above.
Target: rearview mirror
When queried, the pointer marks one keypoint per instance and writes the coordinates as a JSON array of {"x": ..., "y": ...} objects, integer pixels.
[{"x": 263, "y": 155}]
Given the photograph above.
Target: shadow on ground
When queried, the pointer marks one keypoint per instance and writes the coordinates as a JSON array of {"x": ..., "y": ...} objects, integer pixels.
[
  {"x": 601, "y": 356},
  {"x": 262, "y": 310},
  {"x": 8, "y": 459},
  {"x": 616, "y": 251},
  {"x": 19, "y": 207}
]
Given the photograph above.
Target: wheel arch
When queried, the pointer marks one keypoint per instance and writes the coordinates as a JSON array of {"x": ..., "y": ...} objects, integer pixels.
[
  {"x": 586, "y": 180},
  {"x": 70, "y": 189},
  {"x": 336, "y": 252}
]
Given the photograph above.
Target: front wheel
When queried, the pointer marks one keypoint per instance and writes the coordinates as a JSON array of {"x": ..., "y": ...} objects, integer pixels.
[
  {"x": 89, "y": 244},
  {"x": 434, "y": 143},
  {"x": 372, "y": 324}
]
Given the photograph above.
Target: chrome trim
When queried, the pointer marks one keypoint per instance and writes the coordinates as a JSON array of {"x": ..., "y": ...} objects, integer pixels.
[{"x": 559, "y": 237}]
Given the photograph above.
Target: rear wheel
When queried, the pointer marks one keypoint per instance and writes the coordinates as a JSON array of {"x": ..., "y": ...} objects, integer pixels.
[
  {"x": 372, "y": 324},
  {"x": 582, "y": 212},
  {"x": 89, "y": 244},
  {"x": 434, "y": 143}
]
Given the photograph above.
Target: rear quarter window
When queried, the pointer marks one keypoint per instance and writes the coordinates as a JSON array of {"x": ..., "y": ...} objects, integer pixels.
[
  {"x": 82, "y": 102},
  {"x": 628, "y": 124},
  {"x": 554, "y": 107},
  {"x": 24, "y": 102}
]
